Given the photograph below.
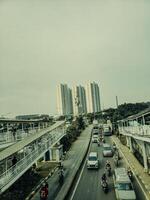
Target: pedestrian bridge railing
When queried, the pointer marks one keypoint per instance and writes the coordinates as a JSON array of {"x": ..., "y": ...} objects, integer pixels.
[
  {"x": 40, "y": 148},
  {"x": 141, "y": 130},
  {"x": 10, "y": 137}
]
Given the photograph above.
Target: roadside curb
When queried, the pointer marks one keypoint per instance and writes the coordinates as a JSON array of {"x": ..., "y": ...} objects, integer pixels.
[
  {"x": 137, "y": 177},
  {"x": 40, "y": 184}
]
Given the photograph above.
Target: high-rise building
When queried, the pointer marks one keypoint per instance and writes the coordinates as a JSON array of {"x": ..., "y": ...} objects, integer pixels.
[
  {"x": 93, "y": 97},
  {"x": 79, "y": 100},
  {"x": 64, "y": 100}
]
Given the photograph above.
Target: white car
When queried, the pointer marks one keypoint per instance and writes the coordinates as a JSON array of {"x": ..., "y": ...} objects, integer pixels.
[
  {"x": 92, "y": 161},
  {"x": 107, "y": 150},
  {"x": 123, "y": 186},
  {"x": 95, "y": 139}
]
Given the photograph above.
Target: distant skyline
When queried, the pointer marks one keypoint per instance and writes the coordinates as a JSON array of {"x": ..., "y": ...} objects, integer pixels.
[{"x": 44, "y": 43}]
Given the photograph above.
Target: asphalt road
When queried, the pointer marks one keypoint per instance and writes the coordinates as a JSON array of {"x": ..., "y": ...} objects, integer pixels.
[{"x": 88, "y": 185}]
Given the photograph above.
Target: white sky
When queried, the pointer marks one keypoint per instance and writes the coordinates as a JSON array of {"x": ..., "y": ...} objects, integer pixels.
[{"x": 44, "y": 42}]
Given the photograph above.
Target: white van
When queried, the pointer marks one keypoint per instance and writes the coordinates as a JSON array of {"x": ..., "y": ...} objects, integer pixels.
[
  {"x": 92, "y": 161},
  {"x": 123, "y": 186}
]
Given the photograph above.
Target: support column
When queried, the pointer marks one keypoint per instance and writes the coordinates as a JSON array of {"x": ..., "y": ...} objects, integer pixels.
[
  {"x": 38, "y": 126},
  {"x": 22, "y": 127},
  {"x": 143, "y": 119},
  {"x": 128, "y": 142},
  {"x": 144, "y": 157},
  {"x": 130, "y": 145},
  {"x": 7, "y": 127}
]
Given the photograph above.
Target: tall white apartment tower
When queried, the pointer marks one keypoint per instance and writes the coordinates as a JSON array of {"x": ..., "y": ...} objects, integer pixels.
[
  {"x": 64, "y": 100},
  {"x": 79, "y": 100},
  {"x": 93, "y": 97}
]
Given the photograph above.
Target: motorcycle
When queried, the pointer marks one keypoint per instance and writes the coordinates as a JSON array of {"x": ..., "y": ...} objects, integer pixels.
[
  {"x": 104, "y": 185},
  {"x": 61, "y": 179}
]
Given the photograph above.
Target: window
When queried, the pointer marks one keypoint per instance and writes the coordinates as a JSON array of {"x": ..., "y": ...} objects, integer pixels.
[
  {"x": 124, "y": 186},
  {"x": 92, "y": 158}
]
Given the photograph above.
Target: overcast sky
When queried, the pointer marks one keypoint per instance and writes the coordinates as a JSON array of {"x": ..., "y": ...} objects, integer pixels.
[{"x": 45, "y": 42}]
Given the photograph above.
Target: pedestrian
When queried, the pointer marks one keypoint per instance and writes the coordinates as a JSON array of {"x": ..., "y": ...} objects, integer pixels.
[{"x": 14, "y": 161}]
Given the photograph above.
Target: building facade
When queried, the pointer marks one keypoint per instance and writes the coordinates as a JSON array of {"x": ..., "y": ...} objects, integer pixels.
[
  {"x": 64, "y": 100},
  {"x": 79, "y": 100},
  {"x": 93, "y": 97}
]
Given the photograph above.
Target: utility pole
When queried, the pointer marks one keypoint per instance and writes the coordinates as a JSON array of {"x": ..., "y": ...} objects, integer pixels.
[{"x": 117, "y": 102}]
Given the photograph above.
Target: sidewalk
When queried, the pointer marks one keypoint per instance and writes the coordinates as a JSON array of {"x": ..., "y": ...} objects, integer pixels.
[
  {"x": 71, "y": 166},
  {"x": 142, "y": 178}
]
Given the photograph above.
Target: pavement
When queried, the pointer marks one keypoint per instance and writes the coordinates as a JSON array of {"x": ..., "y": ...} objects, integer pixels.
[
  {"x": 71, "y": 165},
  {"x": 142, "y": 177}
]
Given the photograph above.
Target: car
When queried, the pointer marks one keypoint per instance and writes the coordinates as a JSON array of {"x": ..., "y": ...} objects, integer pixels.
[
  {"x": 107, "y": 150},
  {"x": 93, "y": 161},
  {"x": 95, "y": 138},
  {"x": 95, "y": 131},
  {"x": 107, "y": 131},
  {"x": 123, "y": 185}
]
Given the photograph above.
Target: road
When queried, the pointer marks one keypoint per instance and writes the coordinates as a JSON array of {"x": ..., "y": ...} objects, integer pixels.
[{"x": 88, "y": 185}]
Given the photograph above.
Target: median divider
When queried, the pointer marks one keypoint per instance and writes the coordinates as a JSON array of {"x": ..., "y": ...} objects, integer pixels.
[{"x": 66, "y": 187}]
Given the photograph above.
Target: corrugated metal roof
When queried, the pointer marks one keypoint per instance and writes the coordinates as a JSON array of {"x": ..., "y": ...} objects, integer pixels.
[{"x": 140, "y": 114}]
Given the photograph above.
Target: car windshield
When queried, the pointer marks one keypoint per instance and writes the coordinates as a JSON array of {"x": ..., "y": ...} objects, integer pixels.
[
  {"x": 124, "y": 186},
  {"x": 107, "y": 148},
  {"x": 92, "y": 158},
  {"x": 95, "y": 136}
]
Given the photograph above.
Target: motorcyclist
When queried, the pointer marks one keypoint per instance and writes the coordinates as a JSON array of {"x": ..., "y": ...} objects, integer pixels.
[
  {"x": 104, "y": 183},
  {"x": 44, "y": 192},
  {"x": 108, "y": 164},
  {"x": 103, "y": 178},
  {"x": 108, "y": 167},
  {"x": 61, "y": 175}
]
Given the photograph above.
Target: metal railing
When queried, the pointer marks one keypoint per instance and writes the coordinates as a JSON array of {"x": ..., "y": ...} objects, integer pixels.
[
  {"x": 141, "y": 130},
  {"x": 10, "y": 137},
  {"x": 14, "y": 172}
]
